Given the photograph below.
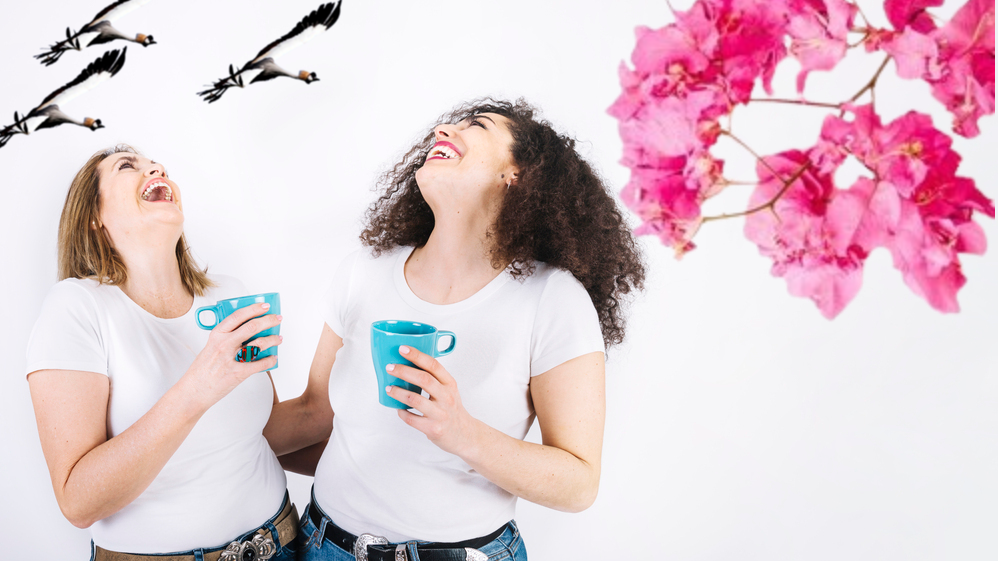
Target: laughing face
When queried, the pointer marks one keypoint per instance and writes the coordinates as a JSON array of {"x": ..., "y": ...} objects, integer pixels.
[
  {"x": 138, "y": 199},
  {"x": 469, "y": 165}
]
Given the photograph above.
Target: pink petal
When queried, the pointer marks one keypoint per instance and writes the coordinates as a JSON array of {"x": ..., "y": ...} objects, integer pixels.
[
  {"x": 914, "y": 53},
  {"x": 905, "y": 13}
]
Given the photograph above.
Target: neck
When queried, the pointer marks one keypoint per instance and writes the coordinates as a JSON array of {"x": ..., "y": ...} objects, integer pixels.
[
  {"x": 154, "y": 279},
  {"x": 454, "y": 263},
  {"x": 459, "y": 246}
]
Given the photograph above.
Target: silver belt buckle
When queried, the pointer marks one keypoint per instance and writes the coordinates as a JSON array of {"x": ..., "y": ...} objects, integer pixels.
[
  {"x": 257, "y": 549},
  {"x": 475, "y": 555},
  {"x": 360, "y": 546}
]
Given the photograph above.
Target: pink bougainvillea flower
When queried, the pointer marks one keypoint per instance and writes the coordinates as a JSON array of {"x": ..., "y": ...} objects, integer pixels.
[
  {"x": 673, "y": 126},
  {"x": 667, "y": 207},
  {"x": 704, "y": 174},
  {"x": 911, "y": 13},
  {"x": 920, "y": 209},
  {"x": 957, "y": 60},
  {"x": 908, "y": 148},
  {"x": 916, "y": 55},
  {"x": 926, "y": 251},
  {"x": 751, "y": 43},
  {"x": 811, "y": 232},
  {"x": 901, "y": 153},
  {"x": 819, "y": 32}
]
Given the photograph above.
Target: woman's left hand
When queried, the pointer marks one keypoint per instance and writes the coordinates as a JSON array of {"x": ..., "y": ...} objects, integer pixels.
[{"x": 445, "y": 421}]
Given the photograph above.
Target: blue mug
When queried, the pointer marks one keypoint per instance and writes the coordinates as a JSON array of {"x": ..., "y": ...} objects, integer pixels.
[
  {"x": 223, "y": 308},
  {"x": 386, "y": 338}
]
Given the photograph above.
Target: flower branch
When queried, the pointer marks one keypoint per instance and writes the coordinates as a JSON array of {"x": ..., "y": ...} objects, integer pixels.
[
  {"x": 768, "y": 205},
  {"x": 689, "y": 76}
]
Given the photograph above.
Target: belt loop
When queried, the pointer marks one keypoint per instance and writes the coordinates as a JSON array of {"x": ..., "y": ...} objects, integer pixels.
[
  {"x": 318, "y": 536},
  {"x": 274, "y": 535},
  {"x": 412, "y": 551},
  {"x": 93, "y": 551},
  {"x": 198, "y": 555}
]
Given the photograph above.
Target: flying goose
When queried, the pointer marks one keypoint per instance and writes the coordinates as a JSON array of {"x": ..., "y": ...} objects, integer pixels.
[
  {"x": 48, "y": 114},
  {"x": 264, "y": 68},
  {"x": 97, "y": 31}
]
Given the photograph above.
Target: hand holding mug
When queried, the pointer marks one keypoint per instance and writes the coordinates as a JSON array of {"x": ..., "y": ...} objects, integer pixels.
[
  {"x": 215, "y": 371},
  {"x": 388, "y": 336},
  {"x": 223, "y": 308},
  {"x": 444, "y": 419}
]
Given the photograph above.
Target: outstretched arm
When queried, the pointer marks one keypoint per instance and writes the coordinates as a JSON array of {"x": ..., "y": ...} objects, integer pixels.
[
  {"x": 297, "y": 425},
  {"x": 562, "y": 473}
]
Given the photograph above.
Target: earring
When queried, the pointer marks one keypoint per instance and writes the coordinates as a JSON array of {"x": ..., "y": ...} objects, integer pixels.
[{"x": 508, "y": 183}]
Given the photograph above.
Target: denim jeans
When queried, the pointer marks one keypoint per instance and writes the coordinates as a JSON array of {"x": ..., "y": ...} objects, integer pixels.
[
  {"x": 507, "y": 547},
  {"x": 285, "y": 552}
]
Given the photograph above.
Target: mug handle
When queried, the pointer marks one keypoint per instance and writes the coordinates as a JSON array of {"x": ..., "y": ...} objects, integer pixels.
[
  {"x": 448, "y": 350},
  {"x": 214, "y": 312}
]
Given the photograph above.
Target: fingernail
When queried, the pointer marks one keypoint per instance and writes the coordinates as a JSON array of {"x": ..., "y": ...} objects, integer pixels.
[
  {"x": 390, "y": 368},
  {"x": 280, "y": 318},
  {"x": 280, "y": 337},
  {"x": 266, "y": 306},
  {"x": 404, "y": 350},
  {"x": 388, "y": 389}
]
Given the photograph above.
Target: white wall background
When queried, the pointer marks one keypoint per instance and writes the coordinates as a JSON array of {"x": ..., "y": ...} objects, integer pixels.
[{"x": 741, "y": 424}]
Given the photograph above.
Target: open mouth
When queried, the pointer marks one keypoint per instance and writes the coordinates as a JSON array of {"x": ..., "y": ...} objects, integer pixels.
[
  {"x": 443, "y": 151},
  {"x": 158, "y": 191}
]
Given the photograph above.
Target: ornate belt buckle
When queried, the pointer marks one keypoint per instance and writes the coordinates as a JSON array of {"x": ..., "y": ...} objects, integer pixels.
[
  {"x": 360, "y": 546},
  {"x": 474, "y": 555},
  {"x": 257, "y": 549}
]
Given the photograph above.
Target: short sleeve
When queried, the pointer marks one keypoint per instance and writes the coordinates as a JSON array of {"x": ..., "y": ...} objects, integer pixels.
[
  {"x": 337, "y": 295},
  {"x": 67, "y": 334},
  {"x": 566, "y": 325}
]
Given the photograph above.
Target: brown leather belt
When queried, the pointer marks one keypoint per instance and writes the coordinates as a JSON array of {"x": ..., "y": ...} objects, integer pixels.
[{"x": 286, "y": 523}]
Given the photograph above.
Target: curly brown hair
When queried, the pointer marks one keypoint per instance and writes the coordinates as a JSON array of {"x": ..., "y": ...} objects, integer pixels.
[{"x": 559, "y": 212}]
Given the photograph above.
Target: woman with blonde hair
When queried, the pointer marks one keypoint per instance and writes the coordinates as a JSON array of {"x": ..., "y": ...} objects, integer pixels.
[{"x": 153, "y": 433}]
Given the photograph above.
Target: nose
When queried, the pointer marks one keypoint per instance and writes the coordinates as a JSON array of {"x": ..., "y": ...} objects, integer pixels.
[
  {"x": 443, "y": 131},
  {"x": 155, "y": 169}
]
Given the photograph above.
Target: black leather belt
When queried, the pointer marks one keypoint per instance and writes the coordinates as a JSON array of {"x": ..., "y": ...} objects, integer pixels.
[{"x": 437, "y": 551}]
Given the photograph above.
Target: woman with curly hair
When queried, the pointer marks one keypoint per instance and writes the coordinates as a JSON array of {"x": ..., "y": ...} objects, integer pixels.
[{"x": 495, "y": 228}]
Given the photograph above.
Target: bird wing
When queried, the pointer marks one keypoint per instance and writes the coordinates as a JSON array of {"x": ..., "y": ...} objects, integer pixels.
[
  {"x": 98, "y": 71},
  {"x": 321, "y": 19},
  {"x": 117, "y": 9}
]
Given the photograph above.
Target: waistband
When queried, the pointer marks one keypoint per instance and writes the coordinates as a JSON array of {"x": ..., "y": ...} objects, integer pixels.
[
  {"x": 367, "y": 547},
  {"x": 277, "y": 532}
]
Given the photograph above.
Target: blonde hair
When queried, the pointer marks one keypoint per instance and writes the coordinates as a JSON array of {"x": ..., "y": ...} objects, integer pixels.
[{"x": 85, "y": 251}]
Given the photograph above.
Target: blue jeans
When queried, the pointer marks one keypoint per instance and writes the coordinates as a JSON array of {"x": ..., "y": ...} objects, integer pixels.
[
  {"x": 285, "y": 552},
  {"x": 507, "y": 547}
]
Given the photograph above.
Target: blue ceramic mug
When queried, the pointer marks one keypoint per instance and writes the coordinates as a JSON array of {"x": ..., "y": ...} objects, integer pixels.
[
  {"x": 223, "y": 308},
  {"x": 386, "y": 338}
]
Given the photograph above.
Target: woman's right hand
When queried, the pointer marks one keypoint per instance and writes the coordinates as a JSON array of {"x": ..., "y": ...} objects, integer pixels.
[{"x": 216, "y": 372}]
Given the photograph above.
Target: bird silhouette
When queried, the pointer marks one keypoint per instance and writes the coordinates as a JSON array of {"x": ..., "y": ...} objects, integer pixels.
[
  {"x": 48, "y": 114},
  {"x": 97, "y": 32},
  {"x": 263, "y": 67}
]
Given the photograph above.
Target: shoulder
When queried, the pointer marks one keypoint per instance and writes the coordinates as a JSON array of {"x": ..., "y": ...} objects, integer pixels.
[
  {"x": 363, "y": 261},
  {"x": 552, "y": 280},
  {"x": 74, "y": 293},
  {"x": 365, "y": 256}
]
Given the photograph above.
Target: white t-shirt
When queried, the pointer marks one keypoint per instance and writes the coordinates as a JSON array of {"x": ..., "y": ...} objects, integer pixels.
[
  {"x": 380, "y": 476},
  {"x": 224, "y": 480}
]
